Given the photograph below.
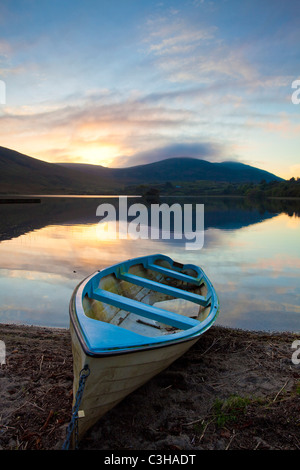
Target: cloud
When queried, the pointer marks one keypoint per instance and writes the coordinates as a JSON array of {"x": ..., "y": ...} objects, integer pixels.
[
  {"x": 126, "y": 88},
  {"x": 175, "y": 38},
  {"x": 105, "y": 123},
  {"x": 204, "y": 150},
  {"x": 188, "y": 52},
  {"x": 278, "y": 124},
  {"x": 5, "y": 48}
]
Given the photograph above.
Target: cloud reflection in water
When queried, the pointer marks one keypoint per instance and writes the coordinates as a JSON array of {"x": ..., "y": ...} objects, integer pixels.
[{"x": 254, "y": 268}]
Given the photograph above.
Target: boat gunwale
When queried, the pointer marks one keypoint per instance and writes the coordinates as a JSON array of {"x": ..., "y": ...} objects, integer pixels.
[{"x": 80, "y": 320}]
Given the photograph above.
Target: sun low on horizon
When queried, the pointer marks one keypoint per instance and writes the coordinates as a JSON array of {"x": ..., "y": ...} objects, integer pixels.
[{"x": 121, "y": 83}]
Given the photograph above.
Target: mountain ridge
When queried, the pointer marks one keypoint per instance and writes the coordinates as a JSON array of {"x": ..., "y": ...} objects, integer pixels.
[
  {"x": 20, "y": 173},
  {"x": 179, "y": 168}
]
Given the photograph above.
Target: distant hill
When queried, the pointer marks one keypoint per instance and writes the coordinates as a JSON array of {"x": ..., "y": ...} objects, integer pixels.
[
  {"x": 178, "y": 169},
  {"x": 20, "y": 173}
]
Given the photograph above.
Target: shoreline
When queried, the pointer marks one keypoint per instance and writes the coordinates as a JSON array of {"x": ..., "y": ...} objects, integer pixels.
[
  {"x": 234, "y": 389},
  {"x": 114, "y": 195}
]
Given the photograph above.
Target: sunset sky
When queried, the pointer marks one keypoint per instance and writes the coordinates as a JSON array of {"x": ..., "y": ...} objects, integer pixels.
[{"x": 126, "y": 82}]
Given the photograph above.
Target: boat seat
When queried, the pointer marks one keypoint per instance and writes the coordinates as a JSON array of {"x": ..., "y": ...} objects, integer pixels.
[
  {"x": 175, "y": 274},
  {"x": 144, "y": 310},
  {"x": 163, "y": 288}
]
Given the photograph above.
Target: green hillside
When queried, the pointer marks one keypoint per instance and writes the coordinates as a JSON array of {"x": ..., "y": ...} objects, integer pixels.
[
  {"x": 178, "y": 169},
  {"x": 21, "y": 174}
]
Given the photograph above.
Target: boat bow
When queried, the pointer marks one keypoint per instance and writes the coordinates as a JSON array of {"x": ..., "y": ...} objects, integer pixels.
[{"x": 101, "y": 338}]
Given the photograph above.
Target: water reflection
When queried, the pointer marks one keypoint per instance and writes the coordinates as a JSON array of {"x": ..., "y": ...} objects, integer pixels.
[
  {"x": 251, "y": 253},
  {"x": 228, "y": 213}
]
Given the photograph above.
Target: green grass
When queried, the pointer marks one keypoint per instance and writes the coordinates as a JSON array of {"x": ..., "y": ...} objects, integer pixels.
[{"x": 229, "y": 410}]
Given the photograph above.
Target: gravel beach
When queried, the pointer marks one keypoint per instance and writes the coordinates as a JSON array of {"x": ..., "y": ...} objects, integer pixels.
[{"x": 234, "y": 389}]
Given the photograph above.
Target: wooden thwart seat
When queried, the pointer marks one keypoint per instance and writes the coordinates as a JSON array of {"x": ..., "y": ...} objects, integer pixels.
[
  {"x": 148, "y": 311},
  {"x": 163, "y": 288},
  {"x": 174, "y": 274}
]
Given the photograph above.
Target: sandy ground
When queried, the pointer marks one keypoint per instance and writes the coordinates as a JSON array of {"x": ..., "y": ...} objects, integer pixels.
[{"x": 233, "y": 390}]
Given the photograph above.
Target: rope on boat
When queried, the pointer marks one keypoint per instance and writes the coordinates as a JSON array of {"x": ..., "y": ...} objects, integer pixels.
[{"x": 73, "y": 425}]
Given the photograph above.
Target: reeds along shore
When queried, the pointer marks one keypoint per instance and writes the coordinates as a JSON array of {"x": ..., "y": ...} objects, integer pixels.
[{"x": 233, "y": 389}]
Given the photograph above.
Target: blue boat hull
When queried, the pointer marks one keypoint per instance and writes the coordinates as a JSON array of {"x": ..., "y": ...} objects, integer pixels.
[
  {"x": 101, "y": 337},
  {"x": 124, "y": 327}
]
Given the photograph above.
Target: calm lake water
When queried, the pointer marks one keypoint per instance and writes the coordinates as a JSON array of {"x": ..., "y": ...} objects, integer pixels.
[{"x": 251, "y": 253}]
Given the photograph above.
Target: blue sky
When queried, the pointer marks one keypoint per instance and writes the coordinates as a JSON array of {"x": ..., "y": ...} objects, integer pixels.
[{"x": 125, "y": 82}]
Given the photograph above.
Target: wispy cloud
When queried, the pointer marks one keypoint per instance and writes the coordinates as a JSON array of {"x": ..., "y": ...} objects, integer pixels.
[
  {"x": 188, "y": 52},
  {"x": 205, "y": 150},
  {"x": 122, "y": 83},
  {"x": 94, "y": 122}
]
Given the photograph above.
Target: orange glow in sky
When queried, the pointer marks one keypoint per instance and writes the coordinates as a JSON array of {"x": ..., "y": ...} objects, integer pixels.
[{"x": 139, "y": 82}]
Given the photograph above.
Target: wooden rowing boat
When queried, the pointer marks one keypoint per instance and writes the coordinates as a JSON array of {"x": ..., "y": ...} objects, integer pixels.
[{"x": 130, "y": 321}]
